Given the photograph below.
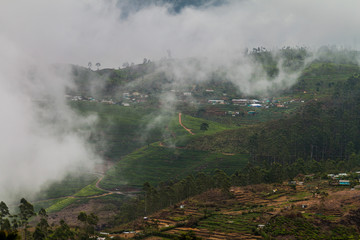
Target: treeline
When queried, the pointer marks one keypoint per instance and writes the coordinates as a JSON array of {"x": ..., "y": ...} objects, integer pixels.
[
  {"x": 108, "y": 82},
  {"x": 167, "y": 194},
  {"x": 16, "y": 226},
  {"x": 321, "y": 130},
  {"x": 288, "y": 58},
  {"x": 276, "y": 172}
]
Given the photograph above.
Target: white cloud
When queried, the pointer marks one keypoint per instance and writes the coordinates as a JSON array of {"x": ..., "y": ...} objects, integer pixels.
[{"x": 82, "y": 31}]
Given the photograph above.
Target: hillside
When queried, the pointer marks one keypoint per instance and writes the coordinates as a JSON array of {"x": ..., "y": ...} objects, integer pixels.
[
  {"x": 324, "y": 128},
  {"x": 168, "y": 161},
  {"x": 310, "y": 128},
  {"x": 313, "y": 210}
]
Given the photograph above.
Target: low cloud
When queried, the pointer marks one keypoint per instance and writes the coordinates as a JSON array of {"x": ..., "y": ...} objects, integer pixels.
[{"x": 42, "y": 139}]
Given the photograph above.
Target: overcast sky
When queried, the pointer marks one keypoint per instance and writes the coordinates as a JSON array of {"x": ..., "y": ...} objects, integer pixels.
[{"x": 80, "y": 31}]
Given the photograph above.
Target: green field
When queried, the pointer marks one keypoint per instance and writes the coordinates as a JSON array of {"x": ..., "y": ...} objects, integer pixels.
[
  {"x": 119, "y": 130},
  {"x": 60, "y": 204},
  {"x": 227, "y": 223},
  {"x": 89, "y": 190},
  {"x": 155, "y": 164},
  {"x": 68, "y": 186}
]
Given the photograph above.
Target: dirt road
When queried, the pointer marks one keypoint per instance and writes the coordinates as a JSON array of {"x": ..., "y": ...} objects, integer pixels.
[{"x": 187, "y": 129}]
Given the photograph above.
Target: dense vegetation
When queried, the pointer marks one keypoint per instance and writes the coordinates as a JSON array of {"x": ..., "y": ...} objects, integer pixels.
[{"x": 323, "y": 129}]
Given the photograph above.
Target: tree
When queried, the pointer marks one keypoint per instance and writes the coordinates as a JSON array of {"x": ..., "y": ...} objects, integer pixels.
[
  {"x": 222, "y": 181},
  {"x": 89, "y": 222},
  {"x": 8, "y": 236},
  {"x": 62, "y": 232},
  {"x": 147, "y": 190},
  {"x": 98, "y": 65},
  {"x": 204, "y": 126},
  {"x": 38, "y": 234},
  {"x": 26, "y": 212},
  {"x": 4, "y": 211},
  {"x": 6, "y": 226},
  {"x": 42, "y": 228},
  {"x": 89, "y": 65},
  {"x": 42, "y": 213}
]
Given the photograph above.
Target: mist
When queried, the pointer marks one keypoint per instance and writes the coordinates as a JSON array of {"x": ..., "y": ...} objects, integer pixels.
[
  {"x": 43, "y": 139},
  {"x": 83, "y": 31}
]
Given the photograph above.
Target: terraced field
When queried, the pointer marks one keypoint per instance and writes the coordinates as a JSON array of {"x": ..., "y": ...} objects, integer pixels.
[{"x": 249, "y": 213}]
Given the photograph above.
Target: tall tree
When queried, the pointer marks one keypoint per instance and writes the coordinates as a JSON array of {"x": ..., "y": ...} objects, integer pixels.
[
  {"x": 4, "y": 211},
  {"x": 42, "y": 228},
  {"x": 26, "y": 212},
  {"x": 62, "y": 232},
  {"x": 89, "y": 223}
]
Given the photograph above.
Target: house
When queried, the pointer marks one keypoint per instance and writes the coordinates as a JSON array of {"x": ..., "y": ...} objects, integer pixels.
[
  {"x": 241, "y": 102},
  {"x": 292, "y": 183},
  {"x": 344, "y": 182},
  {"x": 255, "y": 105},
  {"x": 255, "y": 101},
  {"x": 187, "y": 93},
  {"x": 340, "y": 182},
  {"x": 216, "y": 101},
  {"x": 107, "y": 101}
]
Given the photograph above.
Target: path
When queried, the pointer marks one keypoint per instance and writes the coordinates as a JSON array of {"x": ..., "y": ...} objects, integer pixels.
[
  {"x": 107, "y": 192},
  {"x": 187, "y": 129},
  {"x": 101, "y": 176}
]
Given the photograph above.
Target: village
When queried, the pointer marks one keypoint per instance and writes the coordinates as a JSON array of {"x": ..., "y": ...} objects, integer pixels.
[{"x": 224, "y": 106}]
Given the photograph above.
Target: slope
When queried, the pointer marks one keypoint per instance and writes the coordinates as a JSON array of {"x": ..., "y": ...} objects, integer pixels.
[{"x": 168, "y": 161}]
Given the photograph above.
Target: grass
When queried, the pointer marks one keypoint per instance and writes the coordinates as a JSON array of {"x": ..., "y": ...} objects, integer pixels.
[
  {"x": 320, "y": 79},
  {"x": 301, "y": 195},
  {"x": 119, "y": 130},
  {"x": 60, "y": 204},
  {"x": 194, "y": 124},
  {"x": 227, "y": 223},
  {"x": 155, "y": 164},
  {"x": 67, "y": 187},
  {"x": 44, "y": 204},
  {"x": 89, "y": 190}
]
